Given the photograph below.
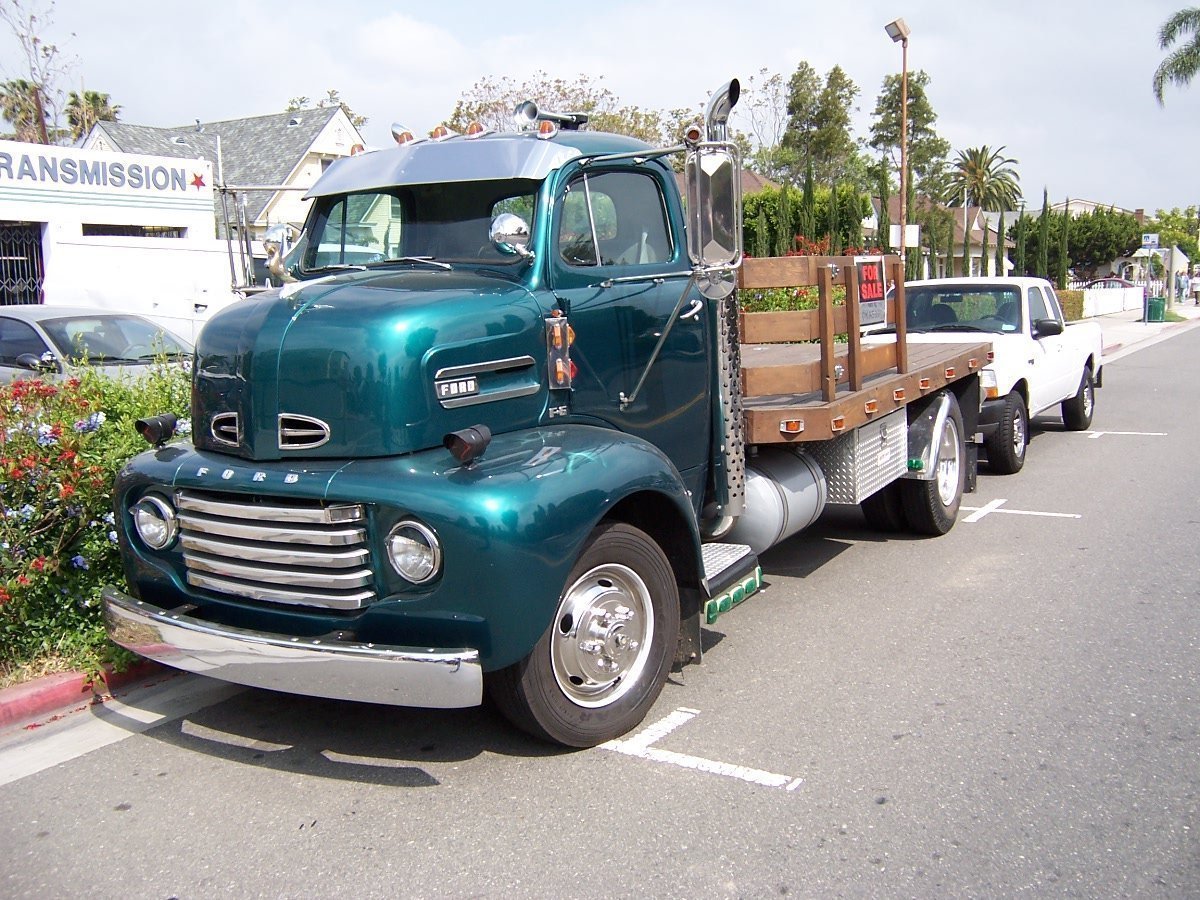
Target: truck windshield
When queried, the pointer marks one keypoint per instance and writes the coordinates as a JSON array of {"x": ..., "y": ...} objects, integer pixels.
[
  {"x": 443, "y": 223},
  {"x": 963, "y": 308}
]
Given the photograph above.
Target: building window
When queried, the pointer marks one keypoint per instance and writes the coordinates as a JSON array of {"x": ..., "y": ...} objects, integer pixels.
[{"x": 145, "y": 231}]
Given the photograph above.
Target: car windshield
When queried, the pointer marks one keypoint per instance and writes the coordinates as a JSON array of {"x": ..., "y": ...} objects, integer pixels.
[
  {"x": 433, "y": 225},
  {"x": 112, "y": 339},
  {"x": 963, "y": 307}
]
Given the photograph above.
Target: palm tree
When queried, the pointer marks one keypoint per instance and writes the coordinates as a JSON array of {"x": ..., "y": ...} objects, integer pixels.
[
  {"x": 982, "y": 177},
  {"x": 1182, "y": 63},
  {"x": 86, "y": 109},
  {"x": 20, "y": 104}
]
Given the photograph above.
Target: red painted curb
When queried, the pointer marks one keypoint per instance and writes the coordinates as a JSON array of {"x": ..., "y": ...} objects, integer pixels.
[{"x": 55, "y": 692}]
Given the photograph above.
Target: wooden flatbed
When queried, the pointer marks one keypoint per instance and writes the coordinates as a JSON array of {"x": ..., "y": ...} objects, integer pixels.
[{"x": 798, "y": 384}]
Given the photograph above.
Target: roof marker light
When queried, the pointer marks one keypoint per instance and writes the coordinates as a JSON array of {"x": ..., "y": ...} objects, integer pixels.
[
  {"x": 477, "y": 129},
  {"x": 442, "y": 133},
  {"x": 547, "y": 129},
  {"x": 402, "y": 135}
]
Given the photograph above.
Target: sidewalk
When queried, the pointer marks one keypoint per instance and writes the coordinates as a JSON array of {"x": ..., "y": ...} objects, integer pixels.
[{"x": 1125, "y": 332}]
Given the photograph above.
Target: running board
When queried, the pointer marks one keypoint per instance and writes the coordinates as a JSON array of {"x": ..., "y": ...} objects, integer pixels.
[{"x": 732, "y": 574}]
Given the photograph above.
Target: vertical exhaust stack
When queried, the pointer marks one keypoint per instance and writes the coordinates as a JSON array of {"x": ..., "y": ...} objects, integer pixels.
[{"x": 720, "y": 105}]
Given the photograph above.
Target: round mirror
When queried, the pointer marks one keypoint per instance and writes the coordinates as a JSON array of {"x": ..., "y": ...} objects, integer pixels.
[{"x": 510, "y": 234}]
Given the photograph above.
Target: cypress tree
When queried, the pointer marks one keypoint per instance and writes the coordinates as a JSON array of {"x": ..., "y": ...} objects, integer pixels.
[
  {"x": 835, "y": 225},
  {"x": 983, "y": 250},
  {"x": 912, "y": 258},
  {"x": 1000, "y": 247},
  {"x": 762, "y": 243},
  {"x": 785, "y": 233},
  {"x": 884, "y": 233},
  {"x": 1043, "y": 257},
  {"x": 966, "y": 247},
  {"x": 1019, "y": 240},
  {"x": 1063, "y": 260},
  {"x": 808, "y": 206}
]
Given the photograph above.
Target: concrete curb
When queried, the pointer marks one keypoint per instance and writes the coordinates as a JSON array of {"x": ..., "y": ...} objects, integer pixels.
[{"x": 56, "y": 693}]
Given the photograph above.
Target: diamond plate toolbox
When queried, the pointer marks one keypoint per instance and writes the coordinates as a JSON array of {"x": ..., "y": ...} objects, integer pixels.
[{"x": 858, "y": 464}]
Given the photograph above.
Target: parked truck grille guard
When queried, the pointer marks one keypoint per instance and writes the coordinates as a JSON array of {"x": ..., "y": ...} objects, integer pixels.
[{"x": 277, "y": 551}]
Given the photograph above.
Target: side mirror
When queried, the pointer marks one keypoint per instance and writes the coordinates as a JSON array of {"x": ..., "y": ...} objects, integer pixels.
[
  {"x": 712, "y": 174},
  {"x": 35, "y": 363},
  {"x": 510, "y": 234},
  {"x": 1047, "y": 327}
]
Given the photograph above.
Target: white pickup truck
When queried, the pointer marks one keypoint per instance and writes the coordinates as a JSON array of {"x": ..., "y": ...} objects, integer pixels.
[{"x": 1038, "y": 360}]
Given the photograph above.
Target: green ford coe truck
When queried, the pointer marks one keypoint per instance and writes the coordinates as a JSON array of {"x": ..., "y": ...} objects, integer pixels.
[{"x": 504, "y": 428}]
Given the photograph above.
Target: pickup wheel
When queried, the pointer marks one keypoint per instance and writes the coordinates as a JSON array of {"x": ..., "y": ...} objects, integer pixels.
[
  {"x": 1006, "y": 448},
  {"x": 1077, "y": 412},
  {"x": 932, "y": 506},
  {"x": 600, "y": 665},
  {"x": 884, "y": 509}
]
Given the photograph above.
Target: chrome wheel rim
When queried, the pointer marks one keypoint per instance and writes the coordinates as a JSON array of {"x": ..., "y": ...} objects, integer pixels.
[
  {"x": 1018, "y": 433},
  {"x": 948, "y": 464},
  {"x": 1089, "y": 399},
  {"x": 602, "y": 635}
]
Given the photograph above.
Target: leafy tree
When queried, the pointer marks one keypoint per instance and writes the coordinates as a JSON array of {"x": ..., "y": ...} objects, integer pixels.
[
  {"x": 1178, "y": 228},
  {"x": 764, "y": 102},
  {"x": 818, "y": 126},
  {"x": 1182, "y": 63},
  {"x": 925, "y": 148},
  {"x": 87, "y": 108},
  {"x": 331, "y": 99},
  {"x": 1100, "y": 236},
  {"x": 983, "y": 178}
]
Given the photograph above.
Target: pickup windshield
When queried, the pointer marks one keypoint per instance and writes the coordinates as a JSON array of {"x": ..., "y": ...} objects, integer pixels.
[
  {"x": 431, "y": 226},
  {"x": 950, "y": 307}
]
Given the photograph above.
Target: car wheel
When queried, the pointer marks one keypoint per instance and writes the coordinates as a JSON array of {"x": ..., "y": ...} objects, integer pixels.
[
  {"x": 1077, "y": 412},
  {"x": 932, "y": 506},
  {"x": 1006, "y": 448},
  {"x": 600, "y": 665}
]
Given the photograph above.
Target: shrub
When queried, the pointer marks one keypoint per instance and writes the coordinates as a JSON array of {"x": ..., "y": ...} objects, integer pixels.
[
  {"x": 61, "y": 446},
  {"x": 1072, "y": 304}
]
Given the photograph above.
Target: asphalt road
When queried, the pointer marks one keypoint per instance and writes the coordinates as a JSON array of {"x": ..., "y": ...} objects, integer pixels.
[{"x": 1011, "y": 709}]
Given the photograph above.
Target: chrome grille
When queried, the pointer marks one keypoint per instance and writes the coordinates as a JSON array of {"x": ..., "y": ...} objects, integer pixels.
[
  {"x": 301, "y": 432},
  {"x": 278, "y": 551},
  {"x": 226, "y": 429}
]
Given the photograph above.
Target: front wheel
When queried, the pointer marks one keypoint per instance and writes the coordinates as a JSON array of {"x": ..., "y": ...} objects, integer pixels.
[
  {"x": 1006, "y": 448},
  {"x": 600, "y": 665},
  {"x": 1077, "y": 412},
  {"x": 932, "y": 506}
]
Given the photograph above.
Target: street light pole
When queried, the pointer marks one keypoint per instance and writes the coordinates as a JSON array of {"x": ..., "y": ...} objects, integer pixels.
[{"x": 898, "y": 31}]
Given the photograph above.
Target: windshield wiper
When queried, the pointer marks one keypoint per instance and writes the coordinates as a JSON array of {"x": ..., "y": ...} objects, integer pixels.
[
  {"x": 427, "y": 260},
  {"x": 955, "y": 326}
]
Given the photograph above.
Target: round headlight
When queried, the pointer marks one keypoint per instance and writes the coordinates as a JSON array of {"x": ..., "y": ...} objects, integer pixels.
[
  {"x": 414, "y": 551},
  {"x": 154, "y": 519}
]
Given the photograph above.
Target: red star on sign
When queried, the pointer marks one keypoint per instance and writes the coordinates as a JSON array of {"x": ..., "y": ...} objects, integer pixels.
[{"x": 197, "y": 180}]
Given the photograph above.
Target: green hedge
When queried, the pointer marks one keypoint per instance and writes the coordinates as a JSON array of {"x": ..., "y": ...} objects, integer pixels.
[
  {"x": 1072, "y": 304},
  {"x": 61, "y": 446}
]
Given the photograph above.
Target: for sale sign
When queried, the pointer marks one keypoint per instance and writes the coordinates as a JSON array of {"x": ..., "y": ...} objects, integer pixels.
[{"x": 872, "y": 308}]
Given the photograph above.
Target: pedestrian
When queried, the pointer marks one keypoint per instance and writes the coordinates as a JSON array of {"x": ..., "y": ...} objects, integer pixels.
[
  {"x": 1181, "y": 285},
  {"x": 1196, "y": 288}
]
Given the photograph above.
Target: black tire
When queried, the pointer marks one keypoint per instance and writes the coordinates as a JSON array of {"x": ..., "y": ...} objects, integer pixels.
[
  {"x": 1077, "y": 412},
  {"x": 884, "y": 510},
  {"x": 1006, "y": 448},
  {"x": 618, "y": 616},
  {"x": 932, "y": 506}
]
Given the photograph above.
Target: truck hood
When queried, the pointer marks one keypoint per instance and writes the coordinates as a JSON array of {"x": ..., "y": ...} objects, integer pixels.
[{"x": 368, "y": 364}]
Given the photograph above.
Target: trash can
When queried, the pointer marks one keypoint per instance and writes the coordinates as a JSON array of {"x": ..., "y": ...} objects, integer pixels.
[{"x": 1155, "y": 309}]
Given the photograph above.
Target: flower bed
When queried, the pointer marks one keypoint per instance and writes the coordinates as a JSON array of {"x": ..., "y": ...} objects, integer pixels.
[{"x": 61, "y": 446}]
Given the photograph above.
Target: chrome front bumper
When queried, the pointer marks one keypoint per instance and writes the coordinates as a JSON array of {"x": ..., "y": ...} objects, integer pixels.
[{"x": 316, "y": 667}]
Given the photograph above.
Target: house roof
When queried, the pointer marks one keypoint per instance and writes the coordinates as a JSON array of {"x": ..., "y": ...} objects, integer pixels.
[
  {"x": 259, "y": 150},
  {"x": 976, "y": 219}
]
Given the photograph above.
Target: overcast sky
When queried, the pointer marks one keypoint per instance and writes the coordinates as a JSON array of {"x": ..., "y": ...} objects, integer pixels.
[{"x": 1064, "y": 85}]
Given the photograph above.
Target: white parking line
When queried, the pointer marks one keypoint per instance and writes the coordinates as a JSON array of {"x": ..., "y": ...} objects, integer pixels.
[
  {"x": 1096, "y": 435},
  {"x": 640, "y": 746},
  {"x": 994, "y": 506}
]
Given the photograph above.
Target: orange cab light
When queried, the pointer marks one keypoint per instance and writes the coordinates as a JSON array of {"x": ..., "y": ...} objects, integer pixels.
[
  {"x": 972, "y": 363},
  {"x": 791, "y": 426},
  {"x": 871, "y": 407},
  {"x": 547, "y": 129},
  {"x": 442, "y": 132},
  {"x": 991, "y": 356},
  {"x": 403, "y": 135},
  {"x": 949, "y": 371},
  {"x": 925, "y": 384},
  {"x": 475, "y": 129},
  {"x": 898, "y": 395},
  {"x": 838, "y": 424}
]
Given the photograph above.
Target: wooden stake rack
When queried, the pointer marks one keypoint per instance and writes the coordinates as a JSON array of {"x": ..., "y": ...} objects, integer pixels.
[{"x": 798, "y": 385}]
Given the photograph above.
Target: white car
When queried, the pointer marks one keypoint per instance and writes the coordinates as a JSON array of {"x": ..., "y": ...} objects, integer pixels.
[
  {"x": 37, "y": 340},
  {"x": 1039, "y": 360}
]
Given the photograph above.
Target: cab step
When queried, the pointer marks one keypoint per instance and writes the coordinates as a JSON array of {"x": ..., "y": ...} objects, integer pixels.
[{"x": 732, "y": 573}]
